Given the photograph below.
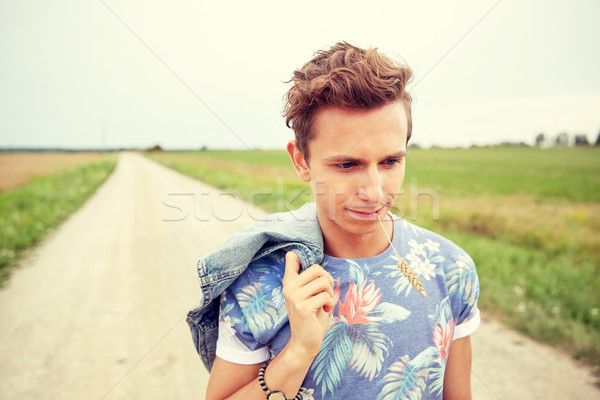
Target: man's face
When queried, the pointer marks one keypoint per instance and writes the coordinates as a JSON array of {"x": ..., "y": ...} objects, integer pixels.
[{"x": 356, "y": 166}]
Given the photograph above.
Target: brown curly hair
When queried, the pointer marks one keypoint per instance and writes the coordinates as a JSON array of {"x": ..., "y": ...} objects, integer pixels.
[{"x": 344, "y": 76}]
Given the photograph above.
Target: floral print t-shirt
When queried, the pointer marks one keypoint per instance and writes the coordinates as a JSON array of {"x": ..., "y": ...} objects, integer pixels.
[{"x": 385, "y": 340}]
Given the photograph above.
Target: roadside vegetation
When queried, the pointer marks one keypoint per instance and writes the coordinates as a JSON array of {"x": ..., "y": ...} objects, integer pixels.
[
  {"x": 17, "y": 168},
  {"x": 529, "y": 217},
  {"x": 30, "y": 211}
]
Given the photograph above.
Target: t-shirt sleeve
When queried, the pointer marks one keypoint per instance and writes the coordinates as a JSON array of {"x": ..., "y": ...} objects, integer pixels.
[
  {"x": 252, "y": 311},
  {"x": 468, "y": 326},
  {"x": 463, "y": 289},
  {"x": 230, "y": 347}
]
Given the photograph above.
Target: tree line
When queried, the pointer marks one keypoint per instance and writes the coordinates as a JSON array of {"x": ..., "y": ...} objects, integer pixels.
[{"x": 564, "y": 139}]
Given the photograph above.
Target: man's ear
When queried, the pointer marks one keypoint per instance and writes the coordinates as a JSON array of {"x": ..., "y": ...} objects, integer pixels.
[{"x": 299, "y": 162}]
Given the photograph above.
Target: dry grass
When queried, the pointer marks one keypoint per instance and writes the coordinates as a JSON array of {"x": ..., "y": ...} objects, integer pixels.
[
  {"x": 551, "y": 225},
  {"x": 18, "y": 168},
  {"x": 407, "y": 271},
  {"x": 30, "y": 211}
]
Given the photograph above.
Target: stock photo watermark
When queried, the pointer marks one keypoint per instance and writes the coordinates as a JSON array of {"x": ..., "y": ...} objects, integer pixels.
[{"x": 207, "y": 204}]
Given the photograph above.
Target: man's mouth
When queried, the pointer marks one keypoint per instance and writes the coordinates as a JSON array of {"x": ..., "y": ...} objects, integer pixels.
[{"x": 366, "y": 214}]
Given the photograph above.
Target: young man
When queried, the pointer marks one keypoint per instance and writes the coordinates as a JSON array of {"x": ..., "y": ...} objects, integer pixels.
[{"x": 350, "y": 325}]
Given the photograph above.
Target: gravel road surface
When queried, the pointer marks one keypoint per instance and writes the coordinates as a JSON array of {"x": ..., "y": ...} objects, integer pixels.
[{"x": 98, "y": 310}]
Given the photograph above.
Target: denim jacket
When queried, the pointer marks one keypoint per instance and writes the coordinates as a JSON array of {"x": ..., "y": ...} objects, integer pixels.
[{"x": 296, "y": 230}]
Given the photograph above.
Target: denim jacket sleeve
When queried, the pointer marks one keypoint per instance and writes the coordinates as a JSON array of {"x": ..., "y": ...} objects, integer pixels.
[{"x": 296, "y": 230}]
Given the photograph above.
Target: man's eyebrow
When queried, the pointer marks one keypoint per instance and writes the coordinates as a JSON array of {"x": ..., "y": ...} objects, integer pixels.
[
  {"x": 398, "y": 154},
  {"x": 346, "y": 158},
  {"x": 341, "y": 158}
]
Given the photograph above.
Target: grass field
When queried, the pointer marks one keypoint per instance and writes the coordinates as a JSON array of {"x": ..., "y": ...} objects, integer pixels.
[
  {"x": 530, "y": 218},
  {"x": 28, "y": 212},
  {"x": 18, "y": 168}
]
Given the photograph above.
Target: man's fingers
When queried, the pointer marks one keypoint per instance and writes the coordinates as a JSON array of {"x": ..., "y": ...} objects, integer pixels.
[
  {"x": 314, "y": 272},
  {"x": 313, "y": 280},
  {"x": 292, "y": 266},
  {"x": 320, "y": 284},
  {"x": 323, "y": 300}
]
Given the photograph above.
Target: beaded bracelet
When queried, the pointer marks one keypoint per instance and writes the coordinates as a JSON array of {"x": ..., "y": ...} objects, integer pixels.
[{"x": 263, "y": 385}]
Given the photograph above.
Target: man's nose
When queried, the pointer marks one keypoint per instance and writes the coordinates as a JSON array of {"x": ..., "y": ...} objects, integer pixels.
[{"x": 371, "y": 186}]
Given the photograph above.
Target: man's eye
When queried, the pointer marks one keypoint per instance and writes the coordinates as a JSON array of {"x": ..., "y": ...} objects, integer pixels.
[
  {"x": 346, "y": 165},
  {"x": 392, "y": 161}
]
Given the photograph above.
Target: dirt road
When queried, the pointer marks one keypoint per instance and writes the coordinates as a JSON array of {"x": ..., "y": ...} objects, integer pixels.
[{"x": 98, "y": 311}]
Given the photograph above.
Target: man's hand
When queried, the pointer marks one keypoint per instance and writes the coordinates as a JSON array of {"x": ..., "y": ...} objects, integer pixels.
[{"x": 309, "y": 300}]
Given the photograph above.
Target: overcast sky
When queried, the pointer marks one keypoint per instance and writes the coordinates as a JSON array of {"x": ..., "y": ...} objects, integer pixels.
[{"x": 186, "y": 74}]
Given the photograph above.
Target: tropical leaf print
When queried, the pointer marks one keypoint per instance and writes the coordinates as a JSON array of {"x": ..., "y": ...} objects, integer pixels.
[
  {"x": 436, "y": 356},
  {"x": 271, "y": 284},
  {"x": 461, "y": 279},
  {"x": 358, "y": 304},
  {"x": 261, "y": 302},
  {"x": 425, "y": 372},
  {"x": 274, "y": 262},
  {"x": 426, "y": 358},
  {"x": 403, "y": 381},
  {"x": 355, "y": 272},
  {"x": 429, "y": 361},
  {"x": 436, "y": 380},
  {"x": 443, "y": 332},
  {"x": 329, "y": 365},
  {"x": 257, "y": 308},
  {"x": 270, "y": 270},
  {"x": 226, "y": 306},
  {"x": 360, "y": 273},
  {"x": 401, "y": 284},
  {"x": 356, "y": 330},
  {"x": 390, "y": 312},
  {"x": 369, "y": 349}
]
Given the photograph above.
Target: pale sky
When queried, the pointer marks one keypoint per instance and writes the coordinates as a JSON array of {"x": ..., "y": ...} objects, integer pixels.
[{"x": 186, "y": 74}]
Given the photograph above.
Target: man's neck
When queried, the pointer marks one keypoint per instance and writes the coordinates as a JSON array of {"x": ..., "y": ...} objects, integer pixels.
[{"x": 368, "y": 244}]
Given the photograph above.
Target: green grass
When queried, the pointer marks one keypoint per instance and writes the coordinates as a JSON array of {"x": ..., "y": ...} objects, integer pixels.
[
  {"x": 552, "y": 298},
  {"x": 567, "y": 174},
  {"x": 29, "y": 212},
  {"x": 272, "y": 186},
  {"x": 530, "y": 218},
  {"x": 279, "y": 158},
  {"x": 564, "y": 174}
]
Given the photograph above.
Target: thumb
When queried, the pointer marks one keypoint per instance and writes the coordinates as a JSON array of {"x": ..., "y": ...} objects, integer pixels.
[{"x": 292, "y": 266}]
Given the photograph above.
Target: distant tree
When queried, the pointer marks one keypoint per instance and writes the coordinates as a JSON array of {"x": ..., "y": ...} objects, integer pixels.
[
  {"x": 562, "y": 139},
  {"x": 598, "y": 140},
  {"x": 581, "y": 140},
  {"x": 540, "y": 139}
]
